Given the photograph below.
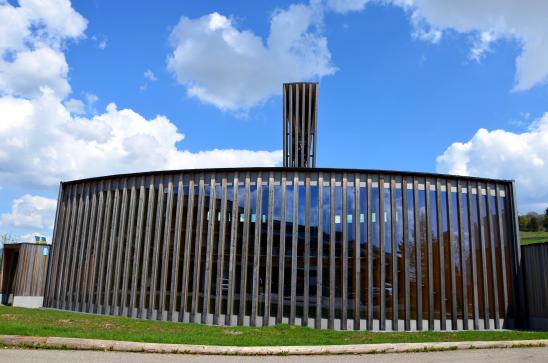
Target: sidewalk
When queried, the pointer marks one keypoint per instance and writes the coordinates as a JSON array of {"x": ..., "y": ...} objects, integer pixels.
[{"x": 121, "y": 346}]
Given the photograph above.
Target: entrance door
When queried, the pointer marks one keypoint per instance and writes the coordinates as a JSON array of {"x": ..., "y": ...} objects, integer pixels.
[{"x": 11, "y": 258}]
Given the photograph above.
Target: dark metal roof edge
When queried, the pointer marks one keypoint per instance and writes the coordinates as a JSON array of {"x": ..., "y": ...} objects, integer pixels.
[
  {"x": 252, "y": 169},
  {"x": 26, "y": 243}
]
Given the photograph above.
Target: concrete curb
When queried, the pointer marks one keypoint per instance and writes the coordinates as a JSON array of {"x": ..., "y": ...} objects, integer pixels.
[{"x": 120, "y": 346}]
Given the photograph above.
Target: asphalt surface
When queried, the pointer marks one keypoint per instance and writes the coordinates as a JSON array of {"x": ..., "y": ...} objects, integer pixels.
[{"x": 529, "y": 355}]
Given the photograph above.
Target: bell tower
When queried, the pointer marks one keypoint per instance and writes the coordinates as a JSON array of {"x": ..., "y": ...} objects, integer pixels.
[{"x": 300, "y": 120}]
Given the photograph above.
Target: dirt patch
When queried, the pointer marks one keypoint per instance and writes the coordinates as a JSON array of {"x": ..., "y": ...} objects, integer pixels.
[
  {"x": 8, "y": 317},
  {"x": 232, "y": 332}
]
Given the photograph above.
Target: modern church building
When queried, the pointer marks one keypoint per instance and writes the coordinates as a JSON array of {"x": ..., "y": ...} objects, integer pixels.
[{"x": 325, "y": 248}]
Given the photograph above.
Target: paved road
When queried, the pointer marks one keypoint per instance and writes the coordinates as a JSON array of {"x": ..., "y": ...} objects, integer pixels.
[{"x": 529, "y": 355}]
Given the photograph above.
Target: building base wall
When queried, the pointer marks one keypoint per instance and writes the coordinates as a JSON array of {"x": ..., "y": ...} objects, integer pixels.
[
  {"x": 538, "y": 323},
  {"x": 337, "y": 323},
  {"x": 28, "y": 301},
  {"x": 6, "y": 299}
]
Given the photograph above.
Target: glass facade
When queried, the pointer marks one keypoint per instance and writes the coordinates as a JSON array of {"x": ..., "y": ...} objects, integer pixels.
[{"x": 323, "y": 248}]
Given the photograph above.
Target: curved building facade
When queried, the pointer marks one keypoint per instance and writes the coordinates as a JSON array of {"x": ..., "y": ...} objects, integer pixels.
[{"x": 325, "y": 248}]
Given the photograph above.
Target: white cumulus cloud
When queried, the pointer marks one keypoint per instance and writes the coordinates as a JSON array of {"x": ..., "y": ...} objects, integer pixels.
[
  {"x": 31, "y": 211},
  {"x": 46, "y": 138},
  {"x": 503, "y": 154},
  {"x": 31, "y": 39},
  {"x": 149, "y": 75},
  {"x": 345, "y": 6},
  {"x": 235, "y": 69},
  {"x": 523, "y": 21},
  {"x": 44, "y": 144},
  {"x": 30, "y": 70}
]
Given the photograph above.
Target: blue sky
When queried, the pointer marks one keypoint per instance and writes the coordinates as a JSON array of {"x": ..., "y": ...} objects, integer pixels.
[{"x": 400, "y": 83}]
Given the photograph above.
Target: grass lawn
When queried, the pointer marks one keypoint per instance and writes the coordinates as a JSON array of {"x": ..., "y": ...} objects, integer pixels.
[
  {"x": 529, "y": 238},
  {"x": 44, "y": 322}
]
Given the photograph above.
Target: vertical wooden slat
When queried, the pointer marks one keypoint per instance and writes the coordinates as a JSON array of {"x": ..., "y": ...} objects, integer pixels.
[
  {"x": 98, "y": 242},
  {"x": 517, "y": 267},
  {"x": 441, "y": 256},
  {"x": 428, "y": 214},
  {"x": 281, "y": 257},
  {"x": 178, "y": 240},
  {"x": 407, "y": 287},
  {"x": 344, "y": 259},
  {"x": 256, "y": 252},
  {"x": 158, "y": 230},
  {"x": 502, "y": 250},
  {"x": 285, "y": 155},
  {"x": 65, "y": 272},
  {"x": 112, "y": 247},
  {"x": 104, "y": 248},
  {"x": 75, "y": 246},
  {"x": 87, "y": 258},
  {"x": 473, "y": 255},
  {"x": 140, "y": 229},
  {"x": 120, "y": 240},
  {"x": 221, "y": 251},
  {"x": 369, "y": 256},
  {"x": 297, "y": 129},
  {"x": 232, "y": 255},
  {"x": 128, "y": 261},
  {"x": 28, "y": 254},
  {"x": 83, "y": 243},
  {"x": 306, "y": 249},
  {"x": 395, "y": 284},
  {"x": 418, "y": 243},
  {"x": 290, "y": 120},
  {"x": 463, "y": 266},
  {"x": 493, "y": 258},
  {"x": 59, "y": 245},
  {"x": 52, "y": 261},
  {"x": 357, "y": 255},
  {"x": 212, "y": 213},
  {"x": 269, "y": 246},
  {"x": 484, "y": 272},
  {"x": 332, "y": 235},
  {"x": 194, "y": 308},
  {"x": 245, "y": 249},
  {"x": 294, "y": 242},
  {"x": 166, "y": 248},
  {"x": 149, "y": 235},
  {"x": 186, "y": 253},
  {"x": 303, "y": 127},
  {"x": 315, "y": 125},
  {"x": 309, "y": 127},
  {"x": 74, "y": 239},
  {"x": 382, "y": 254},
  {"x": 319, "y": 279},
  {"x": 452, "y": 256}
]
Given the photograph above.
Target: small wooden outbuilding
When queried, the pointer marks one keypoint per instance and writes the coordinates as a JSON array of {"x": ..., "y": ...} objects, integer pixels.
[{"x": 23, "y": 274}]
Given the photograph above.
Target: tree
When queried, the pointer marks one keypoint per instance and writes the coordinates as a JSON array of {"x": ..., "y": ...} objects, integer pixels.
[
  {"x": 546, "y": 212},
  {"x": 533, "y": 225},
  {"x": 523, "y": 223}
]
